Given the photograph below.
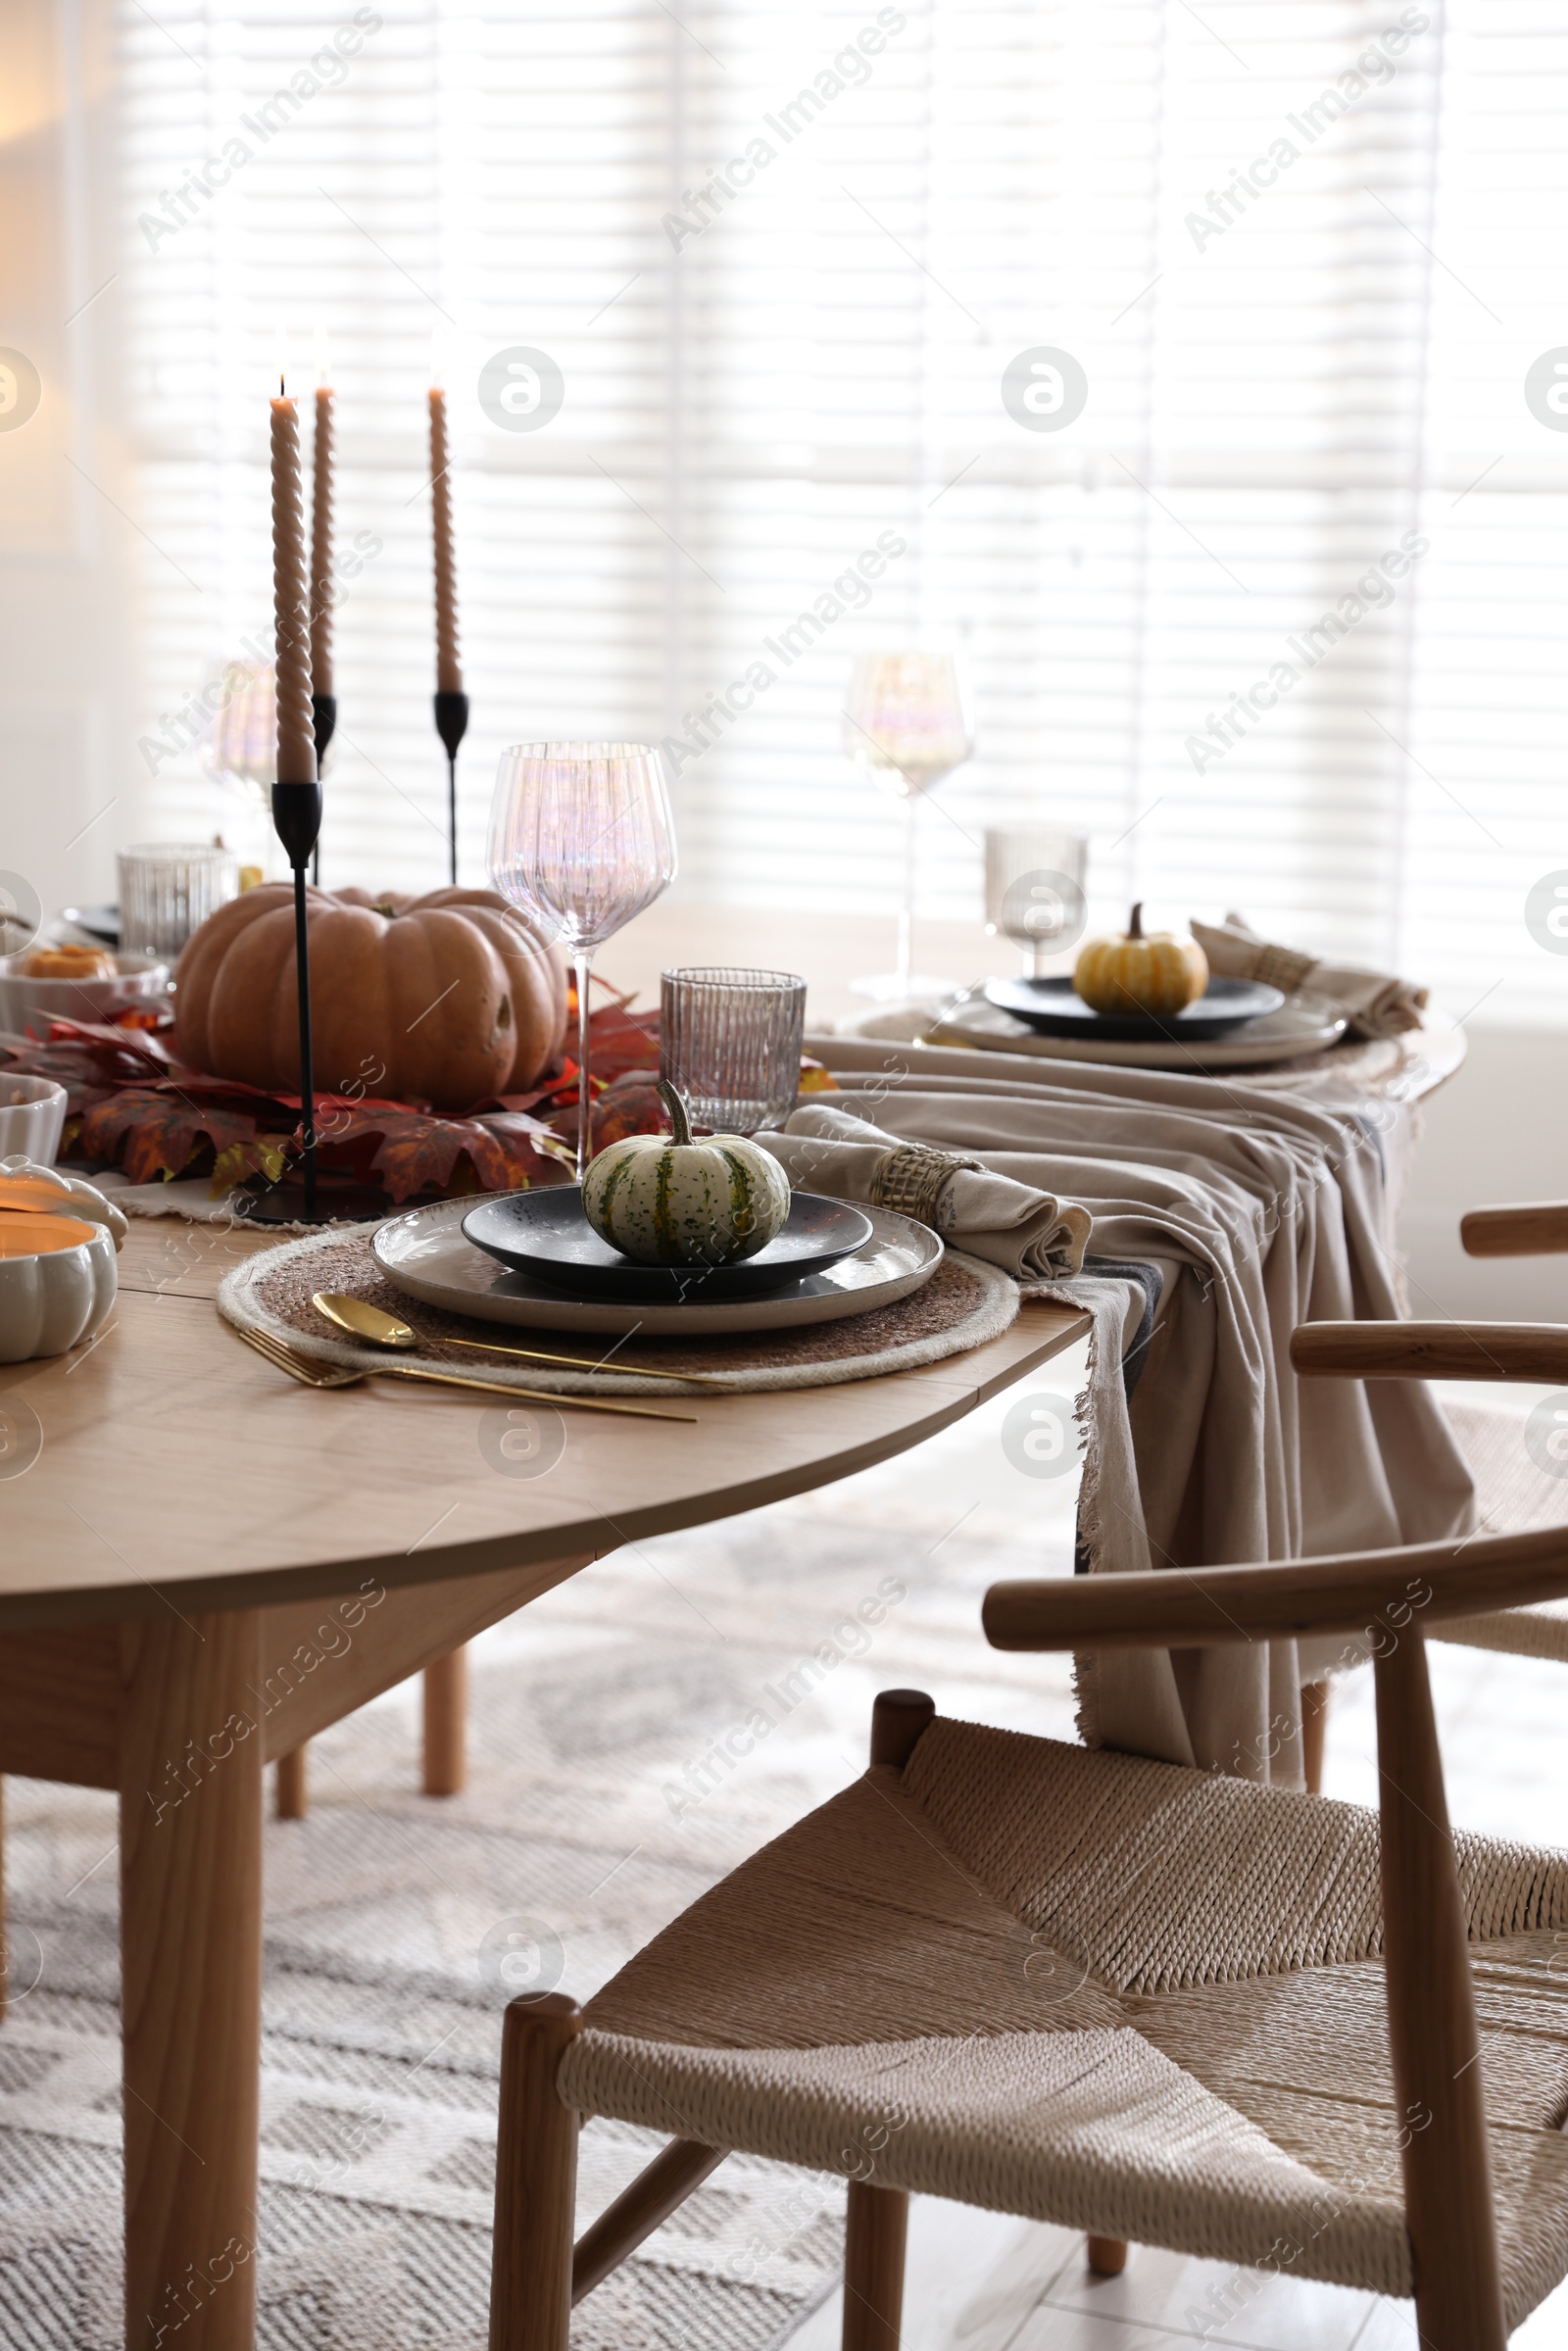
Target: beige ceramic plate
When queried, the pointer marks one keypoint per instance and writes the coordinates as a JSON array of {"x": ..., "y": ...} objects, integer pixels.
[
  {"x": 425, "y": 1256},
  {"x": 1304, "y": 1024}
]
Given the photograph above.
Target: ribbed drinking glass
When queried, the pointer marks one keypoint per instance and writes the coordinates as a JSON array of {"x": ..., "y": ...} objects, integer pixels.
[
  {"x": 1035, "y": 880},
  {"x": 168, "y": 888},
  {"x": 729, "y": 1043},
  {"x": 581, "y": 838}
]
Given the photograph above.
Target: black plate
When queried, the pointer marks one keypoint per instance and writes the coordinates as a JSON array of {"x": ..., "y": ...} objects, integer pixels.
[
  {"x": 546, "y": 1234},
  {"x": 99, "y": 922},
  {"x": 1054, "y": 1007}
]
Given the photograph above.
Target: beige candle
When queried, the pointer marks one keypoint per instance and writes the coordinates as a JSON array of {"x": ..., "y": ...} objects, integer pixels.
[
  {"x": 321, "y": 547},
  {"x": 448, "y": 669},
  {"x": 296, "y": 735}
]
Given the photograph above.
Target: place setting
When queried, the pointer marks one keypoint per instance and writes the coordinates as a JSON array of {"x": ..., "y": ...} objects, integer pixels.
[
  {"x": 687, "y": 1255},
  {"x": 1212, "y": 998},
  {"x": 1148, "y": 999}
]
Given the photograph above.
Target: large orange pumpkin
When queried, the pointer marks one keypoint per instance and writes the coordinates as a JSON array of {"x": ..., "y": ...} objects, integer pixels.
[{"x": 442, "y": 998}]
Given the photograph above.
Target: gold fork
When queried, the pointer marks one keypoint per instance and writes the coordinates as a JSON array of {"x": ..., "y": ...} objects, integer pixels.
[{"x": 314, "y": 1374}]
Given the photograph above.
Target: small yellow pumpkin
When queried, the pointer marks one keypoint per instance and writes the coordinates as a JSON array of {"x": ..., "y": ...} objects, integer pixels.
[{"x": 1157, "y": 972}]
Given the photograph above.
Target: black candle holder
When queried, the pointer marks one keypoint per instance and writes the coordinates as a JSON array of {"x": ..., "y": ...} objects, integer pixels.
[
  {"x": 297, "y": 819},
  {"x": 323, "y": 717},
  {"x": 452, "y": 724}
]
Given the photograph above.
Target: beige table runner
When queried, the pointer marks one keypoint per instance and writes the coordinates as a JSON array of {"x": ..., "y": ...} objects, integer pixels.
[{"x": 1271, "y": 1211}]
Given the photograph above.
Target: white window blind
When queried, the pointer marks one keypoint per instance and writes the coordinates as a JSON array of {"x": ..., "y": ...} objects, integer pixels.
[{"x": 1277, "y": 618}]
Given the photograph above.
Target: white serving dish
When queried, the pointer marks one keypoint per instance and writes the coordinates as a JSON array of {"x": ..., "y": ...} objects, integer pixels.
[
  {"x": 424, "y": 1254},
  {"x": 52, "y": 1302},
  {"x": 32, "y": 1118},
  {"x": 28, "y": 1005},
  {"x": 1304, "y": 1024}
]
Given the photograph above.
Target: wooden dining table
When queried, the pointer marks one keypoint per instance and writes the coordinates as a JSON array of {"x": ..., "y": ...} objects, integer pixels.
[{"x": 201, "y": 1564}]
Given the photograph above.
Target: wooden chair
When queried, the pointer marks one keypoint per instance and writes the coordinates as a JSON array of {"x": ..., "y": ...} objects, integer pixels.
[
  {"x": 1133, "y": 1999},
  {"x": 1439, "y": 1351}
]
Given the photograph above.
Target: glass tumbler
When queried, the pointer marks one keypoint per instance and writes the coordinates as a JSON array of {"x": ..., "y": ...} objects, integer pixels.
[
  {"x": 168, "y": 888},
  {"x": 729, "y": 1043}
]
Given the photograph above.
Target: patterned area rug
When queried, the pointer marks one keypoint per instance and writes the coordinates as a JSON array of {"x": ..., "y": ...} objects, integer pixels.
[{"x": 601, "y": 1800}]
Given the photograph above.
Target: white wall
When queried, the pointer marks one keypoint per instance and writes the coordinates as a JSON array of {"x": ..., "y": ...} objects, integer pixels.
[
  {"x": 67, "y": 548},
  {"x": 1496, "y": 1132}
]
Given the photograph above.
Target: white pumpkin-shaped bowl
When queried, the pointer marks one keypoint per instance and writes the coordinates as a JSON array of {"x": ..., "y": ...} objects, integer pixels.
[
  {"x": 58, "y": 1279},
  {"x": 666, "y": 1199},
  {"x": 32, "y": 1117},
  {"x": 27, "y": 1005}
]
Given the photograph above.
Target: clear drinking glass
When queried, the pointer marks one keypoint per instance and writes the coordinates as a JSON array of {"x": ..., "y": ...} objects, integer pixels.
[
  {"x": 167, "y": 890},
  {"x": 729, "y": 1043},
  {"x": 581, "y": 838},
  {"x": 1035, "y": 889},
  {"x": 908, "y": 722}
]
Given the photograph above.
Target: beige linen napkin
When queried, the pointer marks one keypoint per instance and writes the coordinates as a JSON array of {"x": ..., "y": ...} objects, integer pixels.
[
  {"x": 1374, "y": 1003},
  {"x": 1029, "y": 1234}
]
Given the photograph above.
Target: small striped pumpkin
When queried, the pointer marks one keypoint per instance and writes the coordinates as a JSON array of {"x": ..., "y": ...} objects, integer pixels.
[{"x": 665, "y": 1199}]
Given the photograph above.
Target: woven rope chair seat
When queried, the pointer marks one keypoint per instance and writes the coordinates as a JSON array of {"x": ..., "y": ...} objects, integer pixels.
[
  {"x": 1537, "y": 1632},
  {"x": 1087, "y": 1988}
]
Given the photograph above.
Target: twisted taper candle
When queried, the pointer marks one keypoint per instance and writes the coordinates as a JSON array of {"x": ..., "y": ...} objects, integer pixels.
[
  {"x": 296, "y": 736},
  {"x": 448, "y": 667},
  {"x": 321, "y": 547}
]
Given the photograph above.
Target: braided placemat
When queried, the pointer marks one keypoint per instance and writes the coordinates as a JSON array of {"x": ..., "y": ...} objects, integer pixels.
[{"x": 964, "y": 1303}]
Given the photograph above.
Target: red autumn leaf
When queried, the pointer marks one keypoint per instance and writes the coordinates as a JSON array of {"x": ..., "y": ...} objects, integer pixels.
[
  {"x": 160, "y": 1134},
  {"x": 130, "y": 1048}
]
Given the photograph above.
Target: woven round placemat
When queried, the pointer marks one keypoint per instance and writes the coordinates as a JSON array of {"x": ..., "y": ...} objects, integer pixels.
[{"x": 964, "y": 1303}]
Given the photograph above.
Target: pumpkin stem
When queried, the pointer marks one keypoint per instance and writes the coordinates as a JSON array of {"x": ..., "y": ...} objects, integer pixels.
[
  {"x": 1135, "y": 928},
  {"x": 677, "y": 1112}
]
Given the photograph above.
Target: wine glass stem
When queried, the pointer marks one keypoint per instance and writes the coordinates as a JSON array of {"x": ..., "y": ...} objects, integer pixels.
[
  {"x": 580, "y": 965},
  {"x": 906, "y": 910}
]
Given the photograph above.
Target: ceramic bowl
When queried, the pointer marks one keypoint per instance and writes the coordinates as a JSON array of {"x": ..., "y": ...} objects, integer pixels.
[
  {"x": 32, "y": 1118},
  {"x": 51, "y": 1301},
  {"x": 27, "y": 1005}
]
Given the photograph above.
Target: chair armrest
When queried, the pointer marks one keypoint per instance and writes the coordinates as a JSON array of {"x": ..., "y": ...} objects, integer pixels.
[
  {"x": 1528, "y": 1229},
  {"x": 1431, "y": 1351},
  {"x": 1369, "y": 1592}
]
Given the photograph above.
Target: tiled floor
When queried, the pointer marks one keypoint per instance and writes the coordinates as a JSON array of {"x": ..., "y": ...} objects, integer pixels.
[{"x": 979, "y": 2282}]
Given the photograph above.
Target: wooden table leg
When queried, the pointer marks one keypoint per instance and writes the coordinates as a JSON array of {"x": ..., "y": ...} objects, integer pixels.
[
  {"x": 446, "y": 1724},
  {"x": 191, "y": 1831},
  {"x": 5, "y": 1943},
  {"x": 293, "y": 1784},
  {"x": 1315, "y": 1697}
]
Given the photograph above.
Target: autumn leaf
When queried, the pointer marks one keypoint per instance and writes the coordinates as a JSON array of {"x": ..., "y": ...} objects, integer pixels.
[
  {"x": 263, "y": 1154},
  {"x": 160, "y": 1133}
]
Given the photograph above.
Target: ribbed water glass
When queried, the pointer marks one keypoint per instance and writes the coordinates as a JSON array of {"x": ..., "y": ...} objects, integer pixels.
[
  {"x": 729, "y": 1043},
  {"x": 1035, "y": 879},
  {"x": 168, "y": 888}
]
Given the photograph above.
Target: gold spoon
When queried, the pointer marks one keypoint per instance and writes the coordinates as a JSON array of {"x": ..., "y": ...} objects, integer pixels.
[{"x": 365, "y": 1321}]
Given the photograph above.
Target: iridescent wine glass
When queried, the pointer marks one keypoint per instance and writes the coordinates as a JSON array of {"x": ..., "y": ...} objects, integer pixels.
[
  {"x": 581, "y": 839},
  {"x": 908, "y": 722}
]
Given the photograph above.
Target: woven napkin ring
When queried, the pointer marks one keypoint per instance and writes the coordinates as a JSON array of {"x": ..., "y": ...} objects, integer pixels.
[
  {"x": 1282, "y": 968},
  {"x": 912, "y": 1177}
]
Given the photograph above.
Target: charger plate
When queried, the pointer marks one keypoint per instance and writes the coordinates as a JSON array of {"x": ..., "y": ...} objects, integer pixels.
[
  {"x": 964, "y": 1303},
  {"x": 425, "y": 1254},
  {"x": 1304, "y": 1024}
]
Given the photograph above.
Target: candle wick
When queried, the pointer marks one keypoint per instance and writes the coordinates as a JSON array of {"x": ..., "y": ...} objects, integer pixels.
[{"x": 280, "y": 384}]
